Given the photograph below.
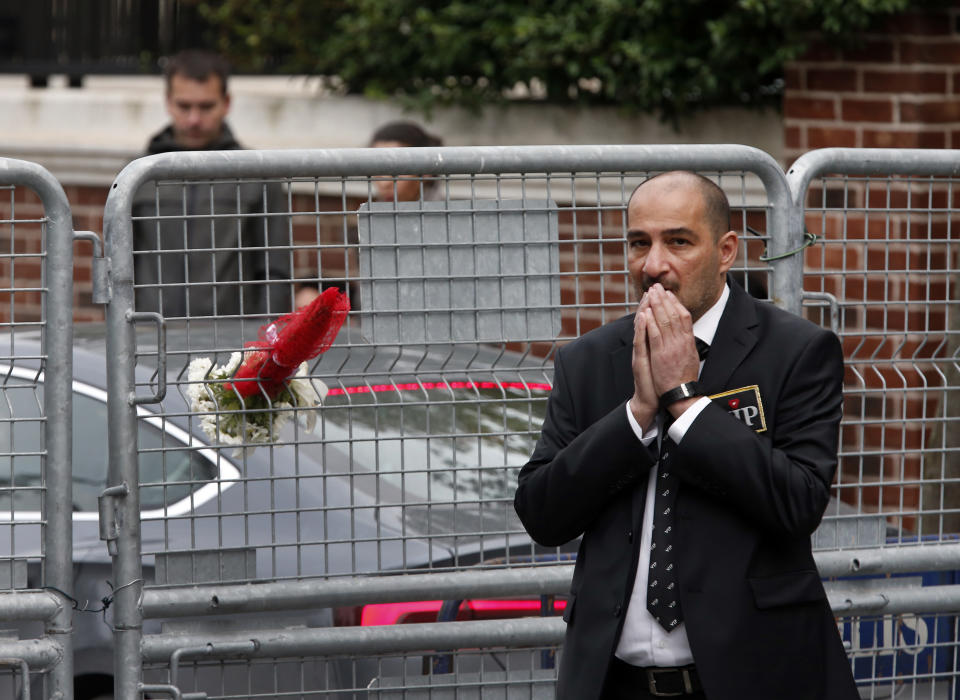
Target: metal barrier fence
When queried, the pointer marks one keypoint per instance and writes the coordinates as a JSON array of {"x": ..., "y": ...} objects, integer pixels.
[
  {"x": 290, "y": 569},
  {"x": 886, "y": 268},
  {"x": 437, "y": 390},
  {"x": 36, "y": 548}
]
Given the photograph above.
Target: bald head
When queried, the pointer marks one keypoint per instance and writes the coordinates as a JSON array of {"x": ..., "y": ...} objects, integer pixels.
[
  {"x": 678, "y": 236},
  {"x": 716, "y": 207}
]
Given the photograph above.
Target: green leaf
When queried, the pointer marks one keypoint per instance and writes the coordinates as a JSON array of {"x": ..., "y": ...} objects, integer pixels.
[{"x": 671, "y": 57}]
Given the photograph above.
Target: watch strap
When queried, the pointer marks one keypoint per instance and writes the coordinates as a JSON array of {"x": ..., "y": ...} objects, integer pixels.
[{"x": 686, "y": 390}]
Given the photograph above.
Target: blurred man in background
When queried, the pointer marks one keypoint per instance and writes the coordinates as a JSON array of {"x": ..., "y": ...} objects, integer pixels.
[{"x": 205, "y": 249}]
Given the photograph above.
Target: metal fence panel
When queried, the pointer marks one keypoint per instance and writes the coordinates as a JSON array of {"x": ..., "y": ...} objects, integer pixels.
[
  {"x": 885, "y": 268},
  {"x": 437, "y": 387},
  {"x": 36, "y": 546}
]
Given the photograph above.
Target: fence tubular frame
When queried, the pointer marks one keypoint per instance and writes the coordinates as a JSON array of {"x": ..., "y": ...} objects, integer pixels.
[
  {"x": 227, "y": 599},
  {"x": 846, "y": 600},
  {"x": 254, "y": 165},
  {"x": 57, "y": 335},
  {"x": 867, "y": 161},
  {"x": 879, "y": 162}
]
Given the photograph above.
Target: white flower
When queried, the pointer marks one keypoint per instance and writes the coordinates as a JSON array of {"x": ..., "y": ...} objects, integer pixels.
[{"x": 225, "y": 418}]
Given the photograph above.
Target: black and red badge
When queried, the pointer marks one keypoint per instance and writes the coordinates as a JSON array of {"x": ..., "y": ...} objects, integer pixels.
[{"x": 745, "y": 405}]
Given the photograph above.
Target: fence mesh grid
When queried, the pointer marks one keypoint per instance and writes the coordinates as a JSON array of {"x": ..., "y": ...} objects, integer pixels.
[
  {"x": 22, "y": 421},
  {"x": 437, "y": 389},
  {"x": 464, "y": 674},
  {"x": 24, "y": 476},
  {"x": 889, "y": 253},
  {"x": 438, "y": 383},
  {"x": 413, "y": 462}
]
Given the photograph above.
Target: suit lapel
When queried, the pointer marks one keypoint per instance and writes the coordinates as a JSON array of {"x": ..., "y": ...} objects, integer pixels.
[
  {"x": 735, "y": 338},
  {"x": 622, "y": 356}
]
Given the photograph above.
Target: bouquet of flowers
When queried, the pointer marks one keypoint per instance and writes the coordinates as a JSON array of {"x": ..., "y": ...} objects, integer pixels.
[{"x": 246, "y": 401}]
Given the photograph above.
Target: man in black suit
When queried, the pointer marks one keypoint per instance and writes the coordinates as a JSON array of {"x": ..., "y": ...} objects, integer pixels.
[{"x": 695, "y": 483}]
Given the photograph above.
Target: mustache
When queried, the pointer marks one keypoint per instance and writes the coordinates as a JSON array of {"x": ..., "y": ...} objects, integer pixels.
[{"x": 646, "y": 282}]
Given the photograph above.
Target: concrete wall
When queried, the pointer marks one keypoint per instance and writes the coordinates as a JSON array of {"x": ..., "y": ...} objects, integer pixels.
[{"x": 84, "y": 136}]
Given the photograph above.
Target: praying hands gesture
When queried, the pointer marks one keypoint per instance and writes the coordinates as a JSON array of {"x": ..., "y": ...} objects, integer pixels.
[{"x": 664, "y": 353}]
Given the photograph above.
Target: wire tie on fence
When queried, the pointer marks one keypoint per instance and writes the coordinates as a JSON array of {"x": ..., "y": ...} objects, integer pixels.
[
  {"x": 75, "y": 604},
  {"x": 126, "y": 585},
  {"x": 808, "y": 240}
]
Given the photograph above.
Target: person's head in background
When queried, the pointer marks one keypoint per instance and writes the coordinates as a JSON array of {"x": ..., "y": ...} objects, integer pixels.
[
  {"x": 197, "y": 97},
  {"x": 403, "y": 188}
]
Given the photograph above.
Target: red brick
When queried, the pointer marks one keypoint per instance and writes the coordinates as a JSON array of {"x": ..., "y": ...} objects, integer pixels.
[
  {"x": 932, "y": 346},
  {"x": 904, "y": 139},
  {"x": 937, "y": 196},
  {"x": 82, "y": 195},
  {"x": 834, "y": 196},
  {"x": 808, "y": 108},
  {"x": 819, "y": 51},
  {"x": 930, "y": 52},
  {"x": 930, "y": 112},
  {"x": 21, "y": 195},
  {"x": 793, "y": 78},
  {"x": 793, "y": 137},
  {"x": 894, "y": 317},
  {"x": 833, "y": 257},
  {"x": 861, "y": 288},
  {"x": 821, "y": 137},
  {"x": 867, "y": 110},
  {"x": 874, "y": 51},
  {"x": 875, "y": 228},
  {"x": 858, "y": 348},
  {"x": 895, "y": 195},
  {"x": 936, "y": 230},
  {"x": 81, "y": 274},
  {"x": 755, "y": 246},
  {"x": 904, "y": 81},
  {"x": 885, "y": 258},
  {"x": 834, "y": 79},
  {"x": 893, "y": 437},
  {"x": 928, "y": 23}
]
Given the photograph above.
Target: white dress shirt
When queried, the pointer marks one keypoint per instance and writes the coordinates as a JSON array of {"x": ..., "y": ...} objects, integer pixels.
[{"x": 643, "y": 642}]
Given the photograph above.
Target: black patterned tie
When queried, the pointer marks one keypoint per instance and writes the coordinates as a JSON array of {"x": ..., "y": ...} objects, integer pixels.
[{"x": 663, "y": 599}]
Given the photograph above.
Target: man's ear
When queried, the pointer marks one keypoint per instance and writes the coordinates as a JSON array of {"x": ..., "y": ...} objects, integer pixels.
[
  {"x": 226, "y": 106},
  {"x": 727, "y": 250}
]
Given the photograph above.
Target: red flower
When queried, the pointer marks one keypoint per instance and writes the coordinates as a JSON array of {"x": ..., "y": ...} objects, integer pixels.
[{"x": 289, "y": 341}]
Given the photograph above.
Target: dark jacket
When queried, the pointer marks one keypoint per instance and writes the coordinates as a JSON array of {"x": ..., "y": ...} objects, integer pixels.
[
  {"x": 749, "y": 498},
  {"x": 209, "y": 245}
]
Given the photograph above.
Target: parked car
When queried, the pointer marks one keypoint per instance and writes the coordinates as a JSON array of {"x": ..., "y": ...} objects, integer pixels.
[{"x": 412, "y": 467}]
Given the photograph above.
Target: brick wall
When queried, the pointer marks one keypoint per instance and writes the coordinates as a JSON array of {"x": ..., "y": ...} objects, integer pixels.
[
  {"x": 900, "y": 88},
  {"x": 594, "y": 289},
  {"x": 888, "y": 245}
]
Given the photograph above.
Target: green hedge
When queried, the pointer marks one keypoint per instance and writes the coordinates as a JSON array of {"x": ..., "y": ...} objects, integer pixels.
[{"x": 669, "y": 57}]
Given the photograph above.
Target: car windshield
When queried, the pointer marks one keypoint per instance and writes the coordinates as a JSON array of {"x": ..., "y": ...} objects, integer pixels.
[
  {"x": 168, "y": 470},
  {"x": 440, "y": 441}
]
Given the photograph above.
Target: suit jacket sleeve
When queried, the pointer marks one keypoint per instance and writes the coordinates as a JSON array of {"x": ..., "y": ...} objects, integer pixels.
[
  {"x": 575, "y": 469},
  {"x": 780, "y": 481}
]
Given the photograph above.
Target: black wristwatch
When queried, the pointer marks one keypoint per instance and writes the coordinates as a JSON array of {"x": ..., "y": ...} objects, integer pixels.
[{"x": 686, "y": 390}]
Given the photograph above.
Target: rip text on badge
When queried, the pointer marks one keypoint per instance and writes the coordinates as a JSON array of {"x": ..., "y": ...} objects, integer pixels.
[{"x": 745, "y": 405}]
